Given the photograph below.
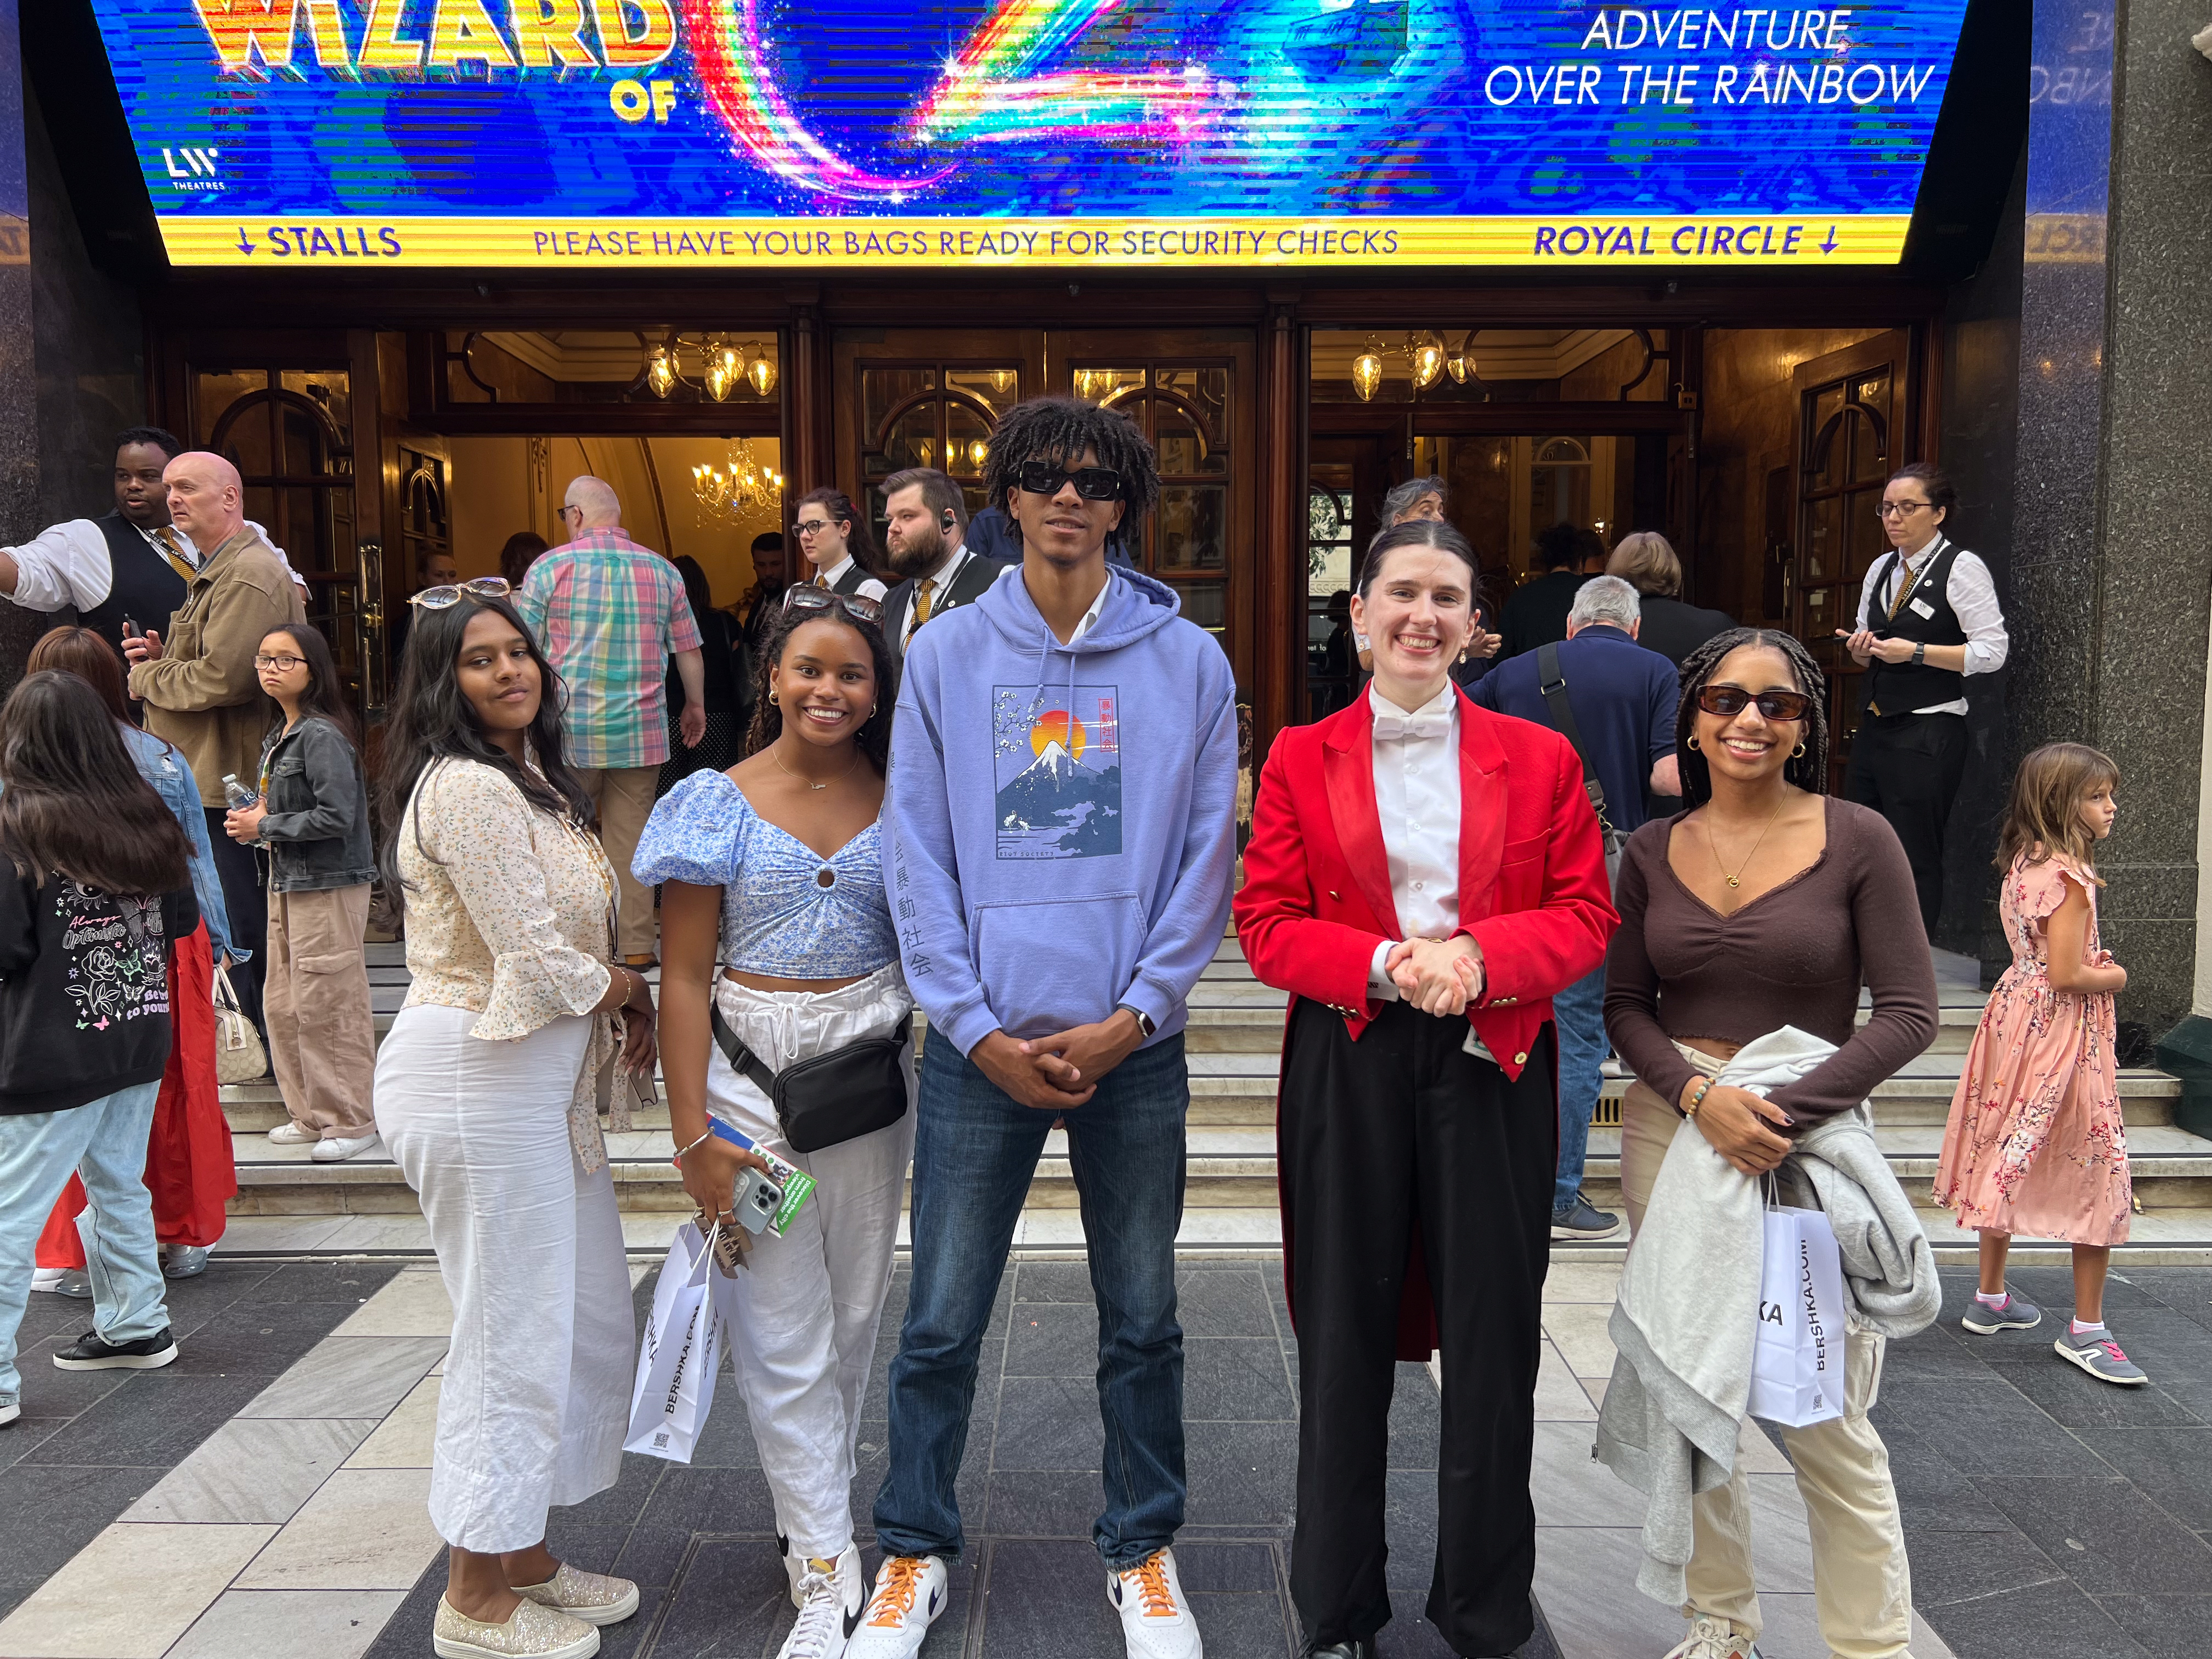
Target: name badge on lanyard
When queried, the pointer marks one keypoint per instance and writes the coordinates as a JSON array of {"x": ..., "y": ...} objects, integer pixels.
[{"x": 1922, "y": 607}]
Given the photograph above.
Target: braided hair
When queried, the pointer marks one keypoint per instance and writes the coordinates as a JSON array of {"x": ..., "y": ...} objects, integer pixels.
[
  {"x": 1059, "y": 430},
  {"x": 1809, "y": 771}
]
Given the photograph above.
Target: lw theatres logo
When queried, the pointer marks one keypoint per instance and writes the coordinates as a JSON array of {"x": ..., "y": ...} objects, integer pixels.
[{"x": 192, "y": 167}]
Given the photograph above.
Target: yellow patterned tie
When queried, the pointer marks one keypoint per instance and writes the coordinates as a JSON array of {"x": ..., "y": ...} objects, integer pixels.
[
  {"x": 921, "y": 599},
  {"x": 165, "y": 543}
]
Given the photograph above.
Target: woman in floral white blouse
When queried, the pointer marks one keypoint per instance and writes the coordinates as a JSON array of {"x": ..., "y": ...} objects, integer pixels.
[{"x": 486, "y": 1093}]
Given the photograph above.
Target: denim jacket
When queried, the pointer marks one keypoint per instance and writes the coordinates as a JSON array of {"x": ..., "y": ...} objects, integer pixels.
[
  {"x": 163, "y": 766},
  {"x": 316, "y": 831}
]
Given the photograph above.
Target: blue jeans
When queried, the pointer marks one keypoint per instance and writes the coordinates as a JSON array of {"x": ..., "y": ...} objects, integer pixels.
[
  {"x": 104, "y": 1142},
  {"x": 1579, "y": 1011},
  {"x": 975, "y": 1149}
]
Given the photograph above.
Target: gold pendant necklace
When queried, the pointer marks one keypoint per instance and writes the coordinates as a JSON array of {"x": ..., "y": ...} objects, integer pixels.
[
  {"x": 859, "y": 755},
  {"x": 1736, "y": 880}
]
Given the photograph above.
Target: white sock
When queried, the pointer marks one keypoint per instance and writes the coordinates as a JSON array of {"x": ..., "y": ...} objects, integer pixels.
[
  {"x": 1997, "y": 1301},
  {"x": 2079, "y": 1329}
]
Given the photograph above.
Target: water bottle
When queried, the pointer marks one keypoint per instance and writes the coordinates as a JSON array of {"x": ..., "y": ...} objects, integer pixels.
[{"x": 236, "y": 793}]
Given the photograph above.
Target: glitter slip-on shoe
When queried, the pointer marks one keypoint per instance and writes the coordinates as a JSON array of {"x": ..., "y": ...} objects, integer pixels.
[
  {"x": 591, "y": 1597},
  {"x": 530, "y": 1633}
]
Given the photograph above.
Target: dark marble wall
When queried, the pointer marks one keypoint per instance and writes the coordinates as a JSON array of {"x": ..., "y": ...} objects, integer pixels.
[{"x": 2111, "y": 558}]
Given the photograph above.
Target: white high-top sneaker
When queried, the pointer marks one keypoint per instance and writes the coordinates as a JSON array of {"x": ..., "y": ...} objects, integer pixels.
[
  {"x": 1156, "y": 1620},
  {"x": 829, "y": 1604},
  {"x": 911, "y": 1591}
]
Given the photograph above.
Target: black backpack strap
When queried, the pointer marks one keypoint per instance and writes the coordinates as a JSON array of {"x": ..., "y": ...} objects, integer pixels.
[
  {"x": 1554, "y": 686},
  {"x": 747, "y": 1063}
]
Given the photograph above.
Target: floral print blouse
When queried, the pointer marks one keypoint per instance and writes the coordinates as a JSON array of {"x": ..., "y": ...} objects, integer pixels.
[{"x": 509, "y": 914}]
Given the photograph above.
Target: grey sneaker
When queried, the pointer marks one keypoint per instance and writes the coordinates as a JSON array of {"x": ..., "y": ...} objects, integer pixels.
[
  {"x": 2097, "y": 1354},
  {"x": 2018, "y": 1313},
  {"x": 184, "y": 1262},
  {"x": 76, "y": 1282},
  {"x": 1584, "y": 1220}
]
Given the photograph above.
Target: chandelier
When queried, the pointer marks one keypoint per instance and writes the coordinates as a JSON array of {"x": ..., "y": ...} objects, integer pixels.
[
  {"x": 743, "y": 488},
  {"x": 710, "y": 364}
]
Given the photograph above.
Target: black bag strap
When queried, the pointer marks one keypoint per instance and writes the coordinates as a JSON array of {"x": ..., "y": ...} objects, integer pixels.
[
  {"x": 1554, "y": 686},
  {"x": 748, "y": 1065}
]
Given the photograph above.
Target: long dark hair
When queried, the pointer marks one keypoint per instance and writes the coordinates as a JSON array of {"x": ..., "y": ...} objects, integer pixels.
[
  {"x": 431, "y": 719},
  {"x": 874, "y": 736},
  {"x": 860, "y": 540},
  {"x": 324, "y": 698},
  {"x": 71, "y": 802},
  {"x": 1809, "y": 771}
]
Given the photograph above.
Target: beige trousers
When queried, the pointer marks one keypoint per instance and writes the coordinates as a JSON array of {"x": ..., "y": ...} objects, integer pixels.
[
  {"x": 1862, "y": 1582},
  {"x": 623, "y": 796},
  {"x": 314, "y": 998}
]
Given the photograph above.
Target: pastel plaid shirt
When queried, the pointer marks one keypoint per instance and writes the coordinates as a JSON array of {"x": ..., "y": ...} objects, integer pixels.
[{"x": 608, "y": 614}]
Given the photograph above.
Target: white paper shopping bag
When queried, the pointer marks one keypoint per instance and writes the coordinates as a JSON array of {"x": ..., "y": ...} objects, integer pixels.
[
  {"x": 683, "y": 1350},
  {"x": 1797, "y": 1362}
]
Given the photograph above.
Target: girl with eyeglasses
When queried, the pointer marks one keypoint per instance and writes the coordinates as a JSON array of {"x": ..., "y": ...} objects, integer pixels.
[
  {"x": 1766, "y": 903},
  {"x": 310, "y": 817}
]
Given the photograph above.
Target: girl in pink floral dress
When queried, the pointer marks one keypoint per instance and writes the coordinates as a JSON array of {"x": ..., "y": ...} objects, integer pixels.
[{"x": 2034, "y": 1143}]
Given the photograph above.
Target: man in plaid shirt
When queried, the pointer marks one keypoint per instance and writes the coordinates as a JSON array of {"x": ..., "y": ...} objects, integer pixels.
[{"x": 609, "y": 615}]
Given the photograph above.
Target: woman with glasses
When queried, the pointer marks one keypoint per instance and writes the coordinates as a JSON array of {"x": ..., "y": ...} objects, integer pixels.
[
  {"x": 839, "y": 544},
  {"x": 1769, "y": 903},
  {"x": 486, "y": 1092},
  {"x": 776, "y": 935},
  {"x": 1928, "y": 618}
]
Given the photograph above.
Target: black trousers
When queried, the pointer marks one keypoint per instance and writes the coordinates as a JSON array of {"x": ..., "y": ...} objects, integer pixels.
[
  {"x": 1907, "y": 768},
  {"x": 1401, "y": 1125},
  {"x": 246, "y": 903}
]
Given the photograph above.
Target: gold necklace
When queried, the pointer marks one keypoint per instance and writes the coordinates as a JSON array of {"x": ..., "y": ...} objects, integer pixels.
[
  {"x": 859, "y": 755},
  {"x": 1736, "y": 880}
]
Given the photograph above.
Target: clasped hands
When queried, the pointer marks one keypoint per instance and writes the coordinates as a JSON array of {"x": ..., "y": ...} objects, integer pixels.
[
  {"x": 1059, "y": 1072},
  {"x": 1438, "y": 976}
]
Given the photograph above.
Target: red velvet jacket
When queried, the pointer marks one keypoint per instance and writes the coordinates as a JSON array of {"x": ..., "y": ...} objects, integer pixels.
[{"x": 1532, "y": 886}]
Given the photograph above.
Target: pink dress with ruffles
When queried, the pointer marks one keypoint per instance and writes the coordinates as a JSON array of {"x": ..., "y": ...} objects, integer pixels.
[{"x": 2034, "y": 1144}]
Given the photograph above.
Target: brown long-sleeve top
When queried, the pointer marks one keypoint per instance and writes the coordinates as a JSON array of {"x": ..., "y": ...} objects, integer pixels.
[{"x": 1796, "y": 955}]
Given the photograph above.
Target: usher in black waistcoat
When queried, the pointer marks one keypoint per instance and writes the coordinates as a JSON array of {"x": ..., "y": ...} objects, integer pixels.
[
  {"x": 146, "y": 588},
  {"x": 1899, "y": 688}
]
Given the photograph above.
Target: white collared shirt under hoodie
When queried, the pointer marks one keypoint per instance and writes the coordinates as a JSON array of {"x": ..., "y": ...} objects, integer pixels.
[{"x": 1417, "y": 799}]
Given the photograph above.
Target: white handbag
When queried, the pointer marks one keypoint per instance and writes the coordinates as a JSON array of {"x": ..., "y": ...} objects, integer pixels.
[{"x": 238, "y": 1055}]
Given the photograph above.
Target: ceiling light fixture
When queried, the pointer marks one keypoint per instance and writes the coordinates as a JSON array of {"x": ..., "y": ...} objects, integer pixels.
[{"x": 1367, "y": 373}]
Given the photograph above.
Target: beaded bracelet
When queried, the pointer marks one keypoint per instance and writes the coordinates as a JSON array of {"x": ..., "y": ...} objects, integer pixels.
[{"x": 1688, "y": 1111}]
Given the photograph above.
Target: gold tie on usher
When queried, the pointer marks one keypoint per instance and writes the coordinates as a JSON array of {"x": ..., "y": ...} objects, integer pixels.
[
  {"x": 921, "y": 599},
  {"x": 165, "y": 539}
]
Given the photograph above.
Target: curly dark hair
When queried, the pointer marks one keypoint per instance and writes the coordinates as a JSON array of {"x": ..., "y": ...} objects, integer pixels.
[
  {"x": 874, "y": 736},
  {"x": 1809, "y": 771},
  {"x": 1059, "y": 430}
]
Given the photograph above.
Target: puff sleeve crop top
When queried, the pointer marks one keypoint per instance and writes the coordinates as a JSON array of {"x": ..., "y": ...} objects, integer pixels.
[{"x": 787, "y": 911}]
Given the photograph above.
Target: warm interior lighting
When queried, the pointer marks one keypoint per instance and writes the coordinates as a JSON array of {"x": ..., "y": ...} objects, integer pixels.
[
  {"x": 978, "y": 452},
  {"x": 743, "y": 488},
  {"x": 1367, "y": 375},
  {"x": 1460, "y": 363},
  {"x": 1425, "y": 354},
  {"x": 761, "y": 371},
  {"x": 1003, "y": 381},
  {"x": 660, "y": 371}
]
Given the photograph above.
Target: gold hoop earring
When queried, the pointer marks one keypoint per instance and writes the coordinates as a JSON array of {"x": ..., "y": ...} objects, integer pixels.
[
  {"x": 1693, "y": 740},
  {"x": 1798, "y": 753}
]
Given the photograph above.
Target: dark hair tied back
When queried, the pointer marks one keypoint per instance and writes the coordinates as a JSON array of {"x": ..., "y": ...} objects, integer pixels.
[
  {"x": 1420, "y": 532},
  {"x": 1935, "y": 480},
  {"x": 1809, "y": 771},
  {"x": 874, "y": 736}
]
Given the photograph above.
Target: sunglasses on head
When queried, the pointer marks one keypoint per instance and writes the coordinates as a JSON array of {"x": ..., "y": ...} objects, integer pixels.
[
  {"x": 1093, "y": 483},
  {"x": 859, "y": 606},
  {"x": 451, "y": 593},
  {"x": 1733, "y": 699}
]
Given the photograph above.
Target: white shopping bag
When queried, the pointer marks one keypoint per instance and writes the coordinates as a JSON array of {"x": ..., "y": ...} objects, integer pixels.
[
  {"x": 1797, "y": 1363},
  {"x": 683, "y": 1350}
]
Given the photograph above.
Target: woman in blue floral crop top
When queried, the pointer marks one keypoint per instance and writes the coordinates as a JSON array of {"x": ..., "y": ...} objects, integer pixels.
[{"x": 773, "y": 912}]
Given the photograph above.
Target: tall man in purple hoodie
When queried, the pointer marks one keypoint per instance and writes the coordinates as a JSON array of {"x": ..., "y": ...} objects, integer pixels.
[{"x": 1060, "y": 822}]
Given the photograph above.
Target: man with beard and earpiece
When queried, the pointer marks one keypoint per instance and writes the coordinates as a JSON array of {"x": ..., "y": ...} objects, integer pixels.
[{"x": 925, "y": 541}]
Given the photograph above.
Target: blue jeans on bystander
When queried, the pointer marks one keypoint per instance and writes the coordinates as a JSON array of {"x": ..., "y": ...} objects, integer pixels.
[
  {"x": 104, "y": 1142},
  {"x": 1579, "y": 1011},
  {"x": 975, "y": 1149}
]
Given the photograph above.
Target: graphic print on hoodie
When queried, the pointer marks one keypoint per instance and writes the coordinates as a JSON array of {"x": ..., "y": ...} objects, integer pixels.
[{"x": 1036, "y": 878}]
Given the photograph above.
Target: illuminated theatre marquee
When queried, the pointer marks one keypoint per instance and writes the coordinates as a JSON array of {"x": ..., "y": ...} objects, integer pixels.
[{"x": 1061, "y": 134}]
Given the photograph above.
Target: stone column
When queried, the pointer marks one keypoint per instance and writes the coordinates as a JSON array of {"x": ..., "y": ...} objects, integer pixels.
[
  {"x": 2111, "y": 564},
  {"x": 18, "y": 442}
]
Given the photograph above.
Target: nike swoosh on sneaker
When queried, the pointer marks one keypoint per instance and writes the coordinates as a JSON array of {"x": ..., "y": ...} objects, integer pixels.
[
  {"x": 853, "y": 1620},
  {"x": 935, "y": 1595}
]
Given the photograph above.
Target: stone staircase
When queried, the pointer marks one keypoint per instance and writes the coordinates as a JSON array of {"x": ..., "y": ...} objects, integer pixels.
[{"x": 289, "y": 1205}]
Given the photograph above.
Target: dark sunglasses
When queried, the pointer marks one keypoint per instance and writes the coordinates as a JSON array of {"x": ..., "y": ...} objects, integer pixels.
[
  {"x": 859, "y": 606},
  {"x": 1093, "y": 483},
  {"x": 1733, "y": 699}
]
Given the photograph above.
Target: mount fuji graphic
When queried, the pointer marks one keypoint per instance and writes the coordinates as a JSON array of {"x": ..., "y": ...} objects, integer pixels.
[{"x": 1058, "y": 792}]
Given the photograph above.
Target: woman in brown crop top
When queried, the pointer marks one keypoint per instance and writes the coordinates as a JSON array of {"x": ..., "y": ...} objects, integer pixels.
[{"x": 1769, "y": 903}]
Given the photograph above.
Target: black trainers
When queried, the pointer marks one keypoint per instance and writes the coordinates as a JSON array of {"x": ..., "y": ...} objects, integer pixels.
[
  {"x": 1585, "y": 1221},
  {"x": 89, "y": 1353}
]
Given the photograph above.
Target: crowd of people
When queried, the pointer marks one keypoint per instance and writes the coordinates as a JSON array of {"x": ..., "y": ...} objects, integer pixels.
[{"x": 1007, "y": 794}]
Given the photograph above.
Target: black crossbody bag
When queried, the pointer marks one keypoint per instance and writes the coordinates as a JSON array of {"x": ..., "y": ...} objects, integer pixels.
[{"x": 828, "y": 1099}]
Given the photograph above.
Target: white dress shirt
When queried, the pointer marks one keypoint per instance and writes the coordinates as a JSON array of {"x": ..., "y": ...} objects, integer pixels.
[
  {"x": 1417, "y": 799},
  {"x": 939, "y": 583},
  {"x": 1098, "y": 604},
  {"x": 1973, "y": 596},
  {"x": 870, "y": 589},
  {"x": 70, "y": 565}
]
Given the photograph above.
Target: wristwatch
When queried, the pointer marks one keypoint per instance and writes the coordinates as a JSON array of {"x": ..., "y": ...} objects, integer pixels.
[
  {"x": 1144, "y": 1020},
  {"x": 1920, "y": 654}
]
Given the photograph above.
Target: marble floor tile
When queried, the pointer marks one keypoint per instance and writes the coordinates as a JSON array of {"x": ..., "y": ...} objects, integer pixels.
[
  {"x": 129, "y": 1593},
  {"x": 1586, "y": 1583},
  {"x": 402, "y": 1440},
  {"x": 253, "y": 1469},
  {"x": 379, "y": 1232},
  {"x": 289, "y": 1624},
  {"x": 1583, "y": 1281},
  {"x": 414, "y": 1304},
  {"x": 349, "y": 1377},
  {"x": 365, "y": 1529},
  {"x": 1559, "y": 1397},
  {"x": 1578, "y": 1330},
  {"x": 1573, "y": 1489},
  {"x": 277, "y": 1235}
]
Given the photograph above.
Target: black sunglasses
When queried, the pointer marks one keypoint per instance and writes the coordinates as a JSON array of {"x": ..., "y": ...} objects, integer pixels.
[
  {"x": 1733, "y": 699},
  {"x": 1093, "y": 483}
]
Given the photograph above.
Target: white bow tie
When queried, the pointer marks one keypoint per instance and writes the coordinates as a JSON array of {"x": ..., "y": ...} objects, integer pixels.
[{"x": 1424, "y": 723}]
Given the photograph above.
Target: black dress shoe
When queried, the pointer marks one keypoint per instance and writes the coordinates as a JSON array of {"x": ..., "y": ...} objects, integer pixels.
[{"x": 1361, "y": 1648}]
